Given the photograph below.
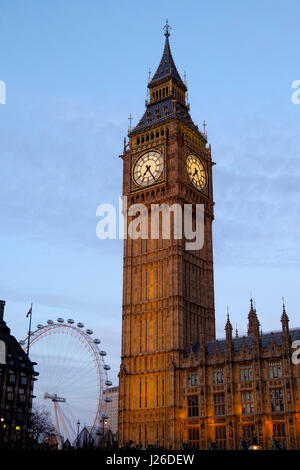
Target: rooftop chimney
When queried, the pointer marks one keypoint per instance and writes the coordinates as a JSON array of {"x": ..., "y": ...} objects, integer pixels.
[{"x": 2, "y": 305}]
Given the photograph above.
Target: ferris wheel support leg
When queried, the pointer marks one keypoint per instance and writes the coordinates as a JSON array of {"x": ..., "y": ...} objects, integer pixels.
[
  {"x": 63, "y": 424},
  {"x": 57, "y": 426}
]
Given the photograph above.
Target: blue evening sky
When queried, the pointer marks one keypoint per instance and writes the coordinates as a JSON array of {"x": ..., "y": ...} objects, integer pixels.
[{"x": 74, "y": 71}]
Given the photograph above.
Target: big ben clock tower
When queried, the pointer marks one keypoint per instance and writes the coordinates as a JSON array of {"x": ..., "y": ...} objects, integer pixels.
[{"x": 168, "y": 291}]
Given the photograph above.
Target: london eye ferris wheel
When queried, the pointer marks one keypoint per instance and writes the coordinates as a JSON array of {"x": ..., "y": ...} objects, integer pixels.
[{"x": 72, "y": 375}]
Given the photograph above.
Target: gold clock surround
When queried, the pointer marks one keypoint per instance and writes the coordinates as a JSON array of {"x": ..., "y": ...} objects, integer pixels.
[
  {"x": 196, "y": 170},
  {"x": 151, "y": 162}
]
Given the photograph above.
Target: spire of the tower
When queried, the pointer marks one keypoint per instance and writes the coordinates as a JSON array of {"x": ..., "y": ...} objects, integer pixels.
[
  {"x": 167, "y": 96},
  {"x": 167, "y": 68}
]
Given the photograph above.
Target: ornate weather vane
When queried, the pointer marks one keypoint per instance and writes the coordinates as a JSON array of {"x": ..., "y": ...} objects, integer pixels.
[{"x": 167, "y": 27}]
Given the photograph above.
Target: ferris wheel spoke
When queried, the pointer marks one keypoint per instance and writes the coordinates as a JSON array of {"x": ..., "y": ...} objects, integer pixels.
[{"x": 65, "y": 413}]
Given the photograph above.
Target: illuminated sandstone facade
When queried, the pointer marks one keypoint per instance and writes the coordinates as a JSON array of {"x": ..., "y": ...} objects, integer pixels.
[{"x": 177, "y": 383}]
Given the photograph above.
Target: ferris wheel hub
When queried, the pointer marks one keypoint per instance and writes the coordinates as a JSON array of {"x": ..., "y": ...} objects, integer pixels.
[{"x": 54, "y": 397}]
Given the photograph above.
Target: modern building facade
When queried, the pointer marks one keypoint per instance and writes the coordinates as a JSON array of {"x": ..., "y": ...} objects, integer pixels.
[
  {"x": 112, "y": 409},
  {"x": 16, "y": 386},
  {"x": 178, "y": 384}
]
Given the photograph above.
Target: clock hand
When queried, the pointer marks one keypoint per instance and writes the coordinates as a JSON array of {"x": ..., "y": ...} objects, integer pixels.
[
  {"x": 151, "y": 173},
  {"x": 148, "y": 169},
  {"x": 196, "y": 171}
]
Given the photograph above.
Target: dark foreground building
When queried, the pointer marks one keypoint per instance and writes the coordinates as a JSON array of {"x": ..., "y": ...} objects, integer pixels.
[
  {"x": 16, "y": 386},
  {"x": 178, "y": 384}
]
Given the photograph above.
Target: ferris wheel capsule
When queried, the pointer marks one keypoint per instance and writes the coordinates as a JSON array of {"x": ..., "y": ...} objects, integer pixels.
[
  {"x": 60, "y": 320},
  {"x": 89, "y": 332},
  {"x": 106, "y": 367},
  {"x": 22, "y": 342},
  {"x": 80, "y": 325},
  {"x": 70, "y": 321},
  {"x": 50, "y": 322},
  {"x": 97, "y": 341},
  {"x": 103, "y": 353},
  {"x": 39, "y": 326},
  {"x": 108, "y": 383},
  {"x": 108, "y": 399}
]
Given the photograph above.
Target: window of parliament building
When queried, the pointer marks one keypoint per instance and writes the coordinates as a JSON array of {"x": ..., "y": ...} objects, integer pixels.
[{"x": 178, "y": 383}]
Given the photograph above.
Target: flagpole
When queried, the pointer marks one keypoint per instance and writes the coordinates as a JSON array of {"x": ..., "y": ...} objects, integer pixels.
[{"x": 29, "y": 332}]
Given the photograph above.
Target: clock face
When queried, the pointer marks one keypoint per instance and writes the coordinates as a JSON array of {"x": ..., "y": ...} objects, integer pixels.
[
  {"x": 148, "y": 168},
  {"x": 196, "y": 172}
]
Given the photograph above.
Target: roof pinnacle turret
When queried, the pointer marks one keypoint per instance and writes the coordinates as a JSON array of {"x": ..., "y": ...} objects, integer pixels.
[
  {"x": 228, "y": 323},
  {"x": 253, "y": 322},
  {"x": 284, "y": 316}
]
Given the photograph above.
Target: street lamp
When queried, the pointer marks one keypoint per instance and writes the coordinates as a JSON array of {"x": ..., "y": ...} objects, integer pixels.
[
  {"x": 18, "y": 435},
  {"x": 104, "y": 417},
  {"x": 78, "y": 426}
]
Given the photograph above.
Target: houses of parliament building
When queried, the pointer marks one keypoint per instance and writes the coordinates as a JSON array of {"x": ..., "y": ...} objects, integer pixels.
[{"x": 178, "y": 384}]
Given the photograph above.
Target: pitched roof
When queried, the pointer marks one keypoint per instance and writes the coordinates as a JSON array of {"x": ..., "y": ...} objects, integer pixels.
[
  {"x": 266, "y": 340},
  {"x": 157, "y": 113},
  {"x": 167, "y": 68}
]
